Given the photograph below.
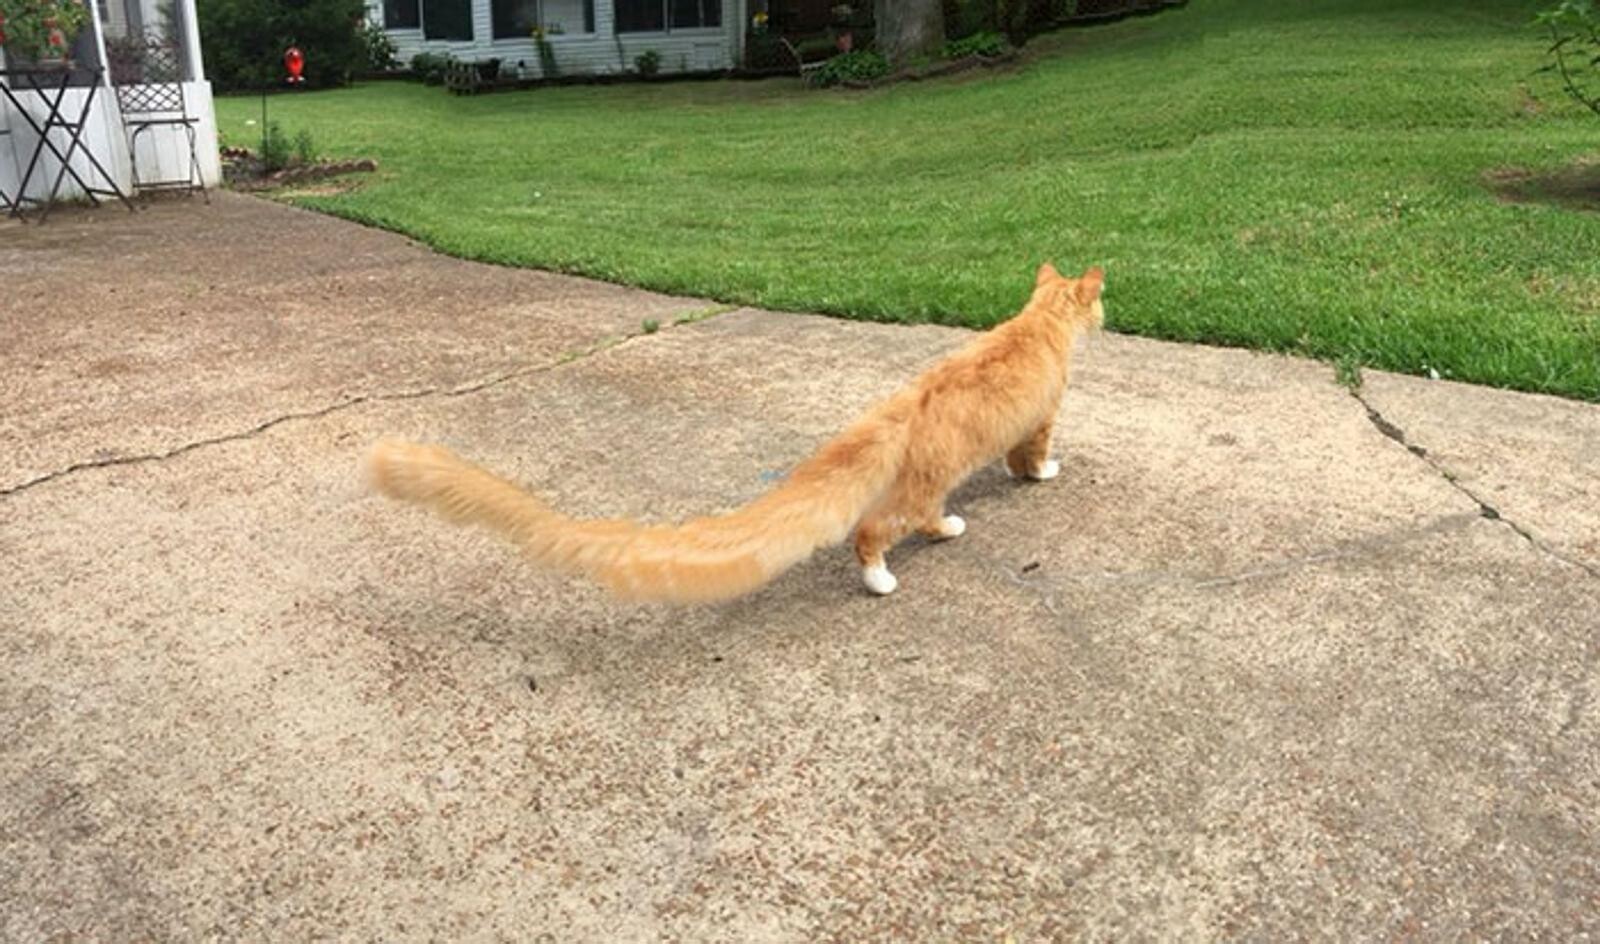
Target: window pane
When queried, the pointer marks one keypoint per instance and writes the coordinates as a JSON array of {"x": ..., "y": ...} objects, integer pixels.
[
  {"x": 514, "y": 19},
  {"x": 401, "y": 14},
  {"x": 685, "y": 13},
  {"x": 640, "y": 16},
  {"x": 688, "y": 14},
  {"x": 569, "y": 16},
  {"x": 447, "y": 19}
]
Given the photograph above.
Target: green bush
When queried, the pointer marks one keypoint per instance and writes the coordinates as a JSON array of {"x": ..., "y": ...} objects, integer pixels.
[
  {"x": 859, "y": 66},
  {"x": 1574, "y": 28},
  {"x": 275, "y": 149},
  {"x": 1017, "y": 19},
  {"x": 243, "y": 41},
  {"x": 647, "y": 62},
  {"x": 987, "y": 44},
  {"x": 305, "y": 147},
  {"x": 816, "y": 47},
  {"x": 382, "y": 54},
  {"x": 430, "y": 67}
]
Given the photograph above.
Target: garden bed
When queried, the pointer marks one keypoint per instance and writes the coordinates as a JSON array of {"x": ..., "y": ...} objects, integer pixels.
[
  {"x": 935, "y": 70},
  {"x": 243, "y": 169}
]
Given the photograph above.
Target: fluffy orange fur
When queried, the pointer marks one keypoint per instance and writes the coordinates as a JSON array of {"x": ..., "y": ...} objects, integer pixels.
[{"x": 886, "y": 476}]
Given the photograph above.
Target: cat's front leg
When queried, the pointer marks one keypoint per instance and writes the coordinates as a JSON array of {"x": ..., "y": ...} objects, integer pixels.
[{"x": 1031, "y": 457}]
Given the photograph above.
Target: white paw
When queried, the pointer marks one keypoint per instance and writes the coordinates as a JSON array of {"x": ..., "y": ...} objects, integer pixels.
[
  {"x": 952, "y": 526},
  {"x": 1048, "y": 471},
  {"x": 879, "y": 580}
]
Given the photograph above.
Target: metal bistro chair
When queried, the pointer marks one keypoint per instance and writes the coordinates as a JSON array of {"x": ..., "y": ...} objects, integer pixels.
[
  {"x": 148, "y": 77},
  {"x": 6, "y": 203}
]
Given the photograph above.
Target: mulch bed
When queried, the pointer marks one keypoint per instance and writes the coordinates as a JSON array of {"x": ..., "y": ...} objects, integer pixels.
[
  {"x": 243, "y": 169},
  {"x": 936, "y": 69}
]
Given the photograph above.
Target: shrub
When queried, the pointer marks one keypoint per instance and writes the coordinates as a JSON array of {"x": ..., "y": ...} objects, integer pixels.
[
  {"x": 1574, "y": 51},
  {"x": 647, "y": 62},
  {"x": 816, "y": 47},
  {"x": 431, "y": 67},
  {"x": 986, "y": 44},
  {"x": 548, "y": 67},
  {"x": 275, "y": 149},
  {"x": 382, "y": 54},
  {"x": 858, "y": 66},
  {"x": 305, "y": 147},
  {"x": 243, "y": 41},
  {"x": 1017, "y": 19}
]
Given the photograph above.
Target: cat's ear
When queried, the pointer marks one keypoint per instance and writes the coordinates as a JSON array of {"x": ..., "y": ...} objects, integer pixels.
[
  {"x": 1090, "y": 284},
  {"x": 1047, "y": 273}
]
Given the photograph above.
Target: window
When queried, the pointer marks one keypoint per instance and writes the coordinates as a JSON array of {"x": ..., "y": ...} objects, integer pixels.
[
  {"x": 515, "y": 19},
  {"x": 640, "y": 16},
  {"x": 401, "y": 14},
  {"x": 569, "y": 16},
  {"x": 447, "y": 19},
  {"x": 653, "y": 16},
  {"x": 689, "y": 14}
]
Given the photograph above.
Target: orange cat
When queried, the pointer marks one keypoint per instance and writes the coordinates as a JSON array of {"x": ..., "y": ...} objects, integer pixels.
[{"x": 886, "y": 476}]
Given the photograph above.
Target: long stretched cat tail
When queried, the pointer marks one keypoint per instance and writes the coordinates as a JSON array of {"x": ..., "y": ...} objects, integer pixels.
[{"x": 702, "y": 560}]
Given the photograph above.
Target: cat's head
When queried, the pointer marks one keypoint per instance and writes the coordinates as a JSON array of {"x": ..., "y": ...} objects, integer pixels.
[{"x": 1077, "y": 300}]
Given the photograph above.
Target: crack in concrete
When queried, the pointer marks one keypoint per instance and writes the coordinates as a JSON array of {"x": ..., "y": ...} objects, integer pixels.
[
  {"x": 599, "y": 347},
  {"x": 1486, "y": 510},
  {"x": 1579, "y": 702}
]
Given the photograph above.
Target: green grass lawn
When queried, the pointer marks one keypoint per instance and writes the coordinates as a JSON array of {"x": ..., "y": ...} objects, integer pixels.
[{"x": 1305, "y": 177}]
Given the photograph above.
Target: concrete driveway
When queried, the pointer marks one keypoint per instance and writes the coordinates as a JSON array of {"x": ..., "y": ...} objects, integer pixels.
[{"x": 1267, "y": 661}]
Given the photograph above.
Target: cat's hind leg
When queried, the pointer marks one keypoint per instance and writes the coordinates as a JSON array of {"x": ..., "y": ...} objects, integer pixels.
[
  {"x": 874, "y": 536},
  {"x": 1031, "y": 457},
  {"x": 943, "y": 527}
]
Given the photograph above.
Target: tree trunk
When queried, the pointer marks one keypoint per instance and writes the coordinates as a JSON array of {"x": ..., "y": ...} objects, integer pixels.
[{"x": 907, "y": 29}]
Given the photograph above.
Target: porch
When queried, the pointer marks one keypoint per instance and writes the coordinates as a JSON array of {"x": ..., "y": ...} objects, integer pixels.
[{"x": 131, "y": 56}]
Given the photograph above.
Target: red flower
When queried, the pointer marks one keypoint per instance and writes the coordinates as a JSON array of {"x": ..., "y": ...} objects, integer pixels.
[{"x": 57, "y": 38}]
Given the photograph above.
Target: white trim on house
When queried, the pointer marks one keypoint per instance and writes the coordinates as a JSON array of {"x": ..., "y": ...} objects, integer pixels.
[{"x": 603, "y": 52}]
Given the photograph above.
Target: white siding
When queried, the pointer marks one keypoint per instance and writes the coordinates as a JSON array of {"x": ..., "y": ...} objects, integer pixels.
[{"x": 599, "y": 53}]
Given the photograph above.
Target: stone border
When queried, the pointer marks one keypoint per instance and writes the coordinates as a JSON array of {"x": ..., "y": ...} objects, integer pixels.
[{"x": 298, "y": 173}]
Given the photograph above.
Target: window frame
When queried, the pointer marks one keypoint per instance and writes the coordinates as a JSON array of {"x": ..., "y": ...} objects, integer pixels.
[
  {"x": 416, "y": 5},
  {"x": 589, "y": 11},
  {"x": 666, "y": 22},
  {"x": 422, "y": 19}
]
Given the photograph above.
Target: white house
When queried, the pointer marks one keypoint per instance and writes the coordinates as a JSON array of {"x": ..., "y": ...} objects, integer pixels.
[
  {"x": 164, "y": 149},
  {"x": 585, "y": 37}
]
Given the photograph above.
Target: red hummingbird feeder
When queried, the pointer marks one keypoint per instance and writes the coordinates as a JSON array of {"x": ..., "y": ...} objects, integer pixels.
[{"x": 295, "y": 61}]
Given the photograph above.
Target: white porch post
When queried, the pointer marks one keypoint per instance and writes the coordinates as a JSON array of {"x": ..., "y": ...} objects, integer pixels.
[{"x": 191, "y": 39}]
